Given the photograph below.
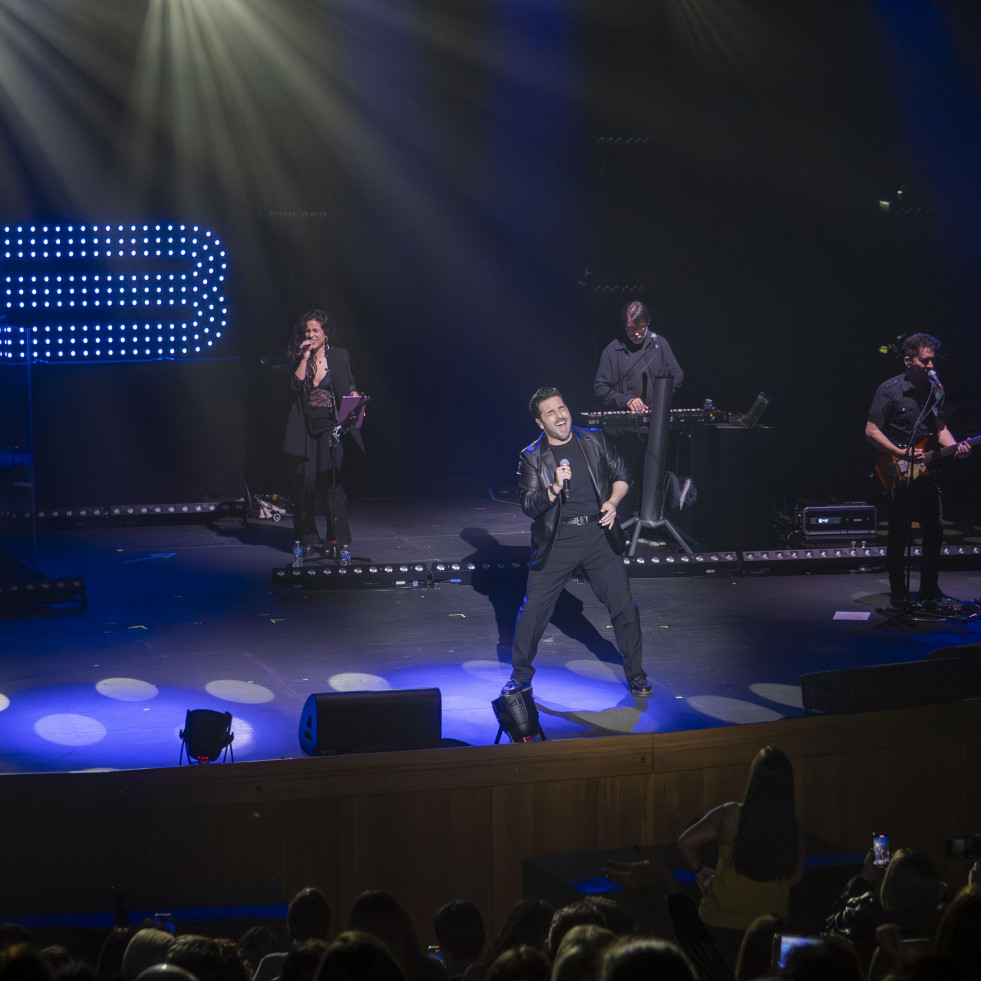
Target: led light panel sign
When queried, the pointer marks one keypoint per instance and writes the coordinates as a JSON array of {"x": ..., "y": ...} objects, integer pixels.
[{"x": 102, "y": 293}]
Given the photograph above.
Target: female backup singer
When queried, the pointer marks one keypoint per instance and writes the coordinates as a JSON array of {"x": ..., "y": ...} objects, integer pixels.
[{"x": 320, "y": 377}]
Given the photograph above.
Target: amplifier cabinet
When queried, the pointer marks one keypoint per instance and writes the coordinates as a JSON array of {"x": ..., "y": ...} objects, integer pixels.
[{"x": 852, "y": 520}]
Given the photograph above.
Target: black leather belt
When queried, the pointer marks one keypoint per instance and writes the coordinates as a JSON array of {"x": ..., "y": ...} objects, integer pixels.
[{"x": 584, "y": 519}]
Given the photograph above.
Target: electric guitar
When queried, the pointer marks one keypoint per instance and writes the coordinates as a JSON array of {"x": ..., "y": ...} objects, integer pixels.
[{"x": 894, "y": 471}]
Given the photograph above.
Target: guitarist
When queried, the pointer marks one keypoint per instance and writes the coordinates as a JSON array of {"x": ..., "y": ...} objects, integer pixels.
[{"x": 897, "y": 405}]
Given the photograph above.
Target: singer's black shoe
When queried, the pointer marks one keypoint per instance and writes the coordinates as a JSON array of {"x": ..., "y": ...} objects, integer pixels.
[
  {"x": 513, "y": 685},
  {"x": 640, "y": 686},
  {"x": 899, "y": 599}
]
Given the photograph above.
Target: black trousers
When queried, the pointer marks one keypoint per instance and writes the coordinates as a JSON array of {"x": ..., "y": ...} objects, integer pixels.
[
  {"x": 919, "y": 502},
  {"x": 586, "y": 546},
  {"x": 318, "y": 481}
]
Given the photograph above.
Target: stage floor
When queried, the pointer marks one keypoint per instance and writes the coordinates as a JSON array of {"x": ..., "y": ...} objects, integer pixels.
[{"x": 184, "y": 617}]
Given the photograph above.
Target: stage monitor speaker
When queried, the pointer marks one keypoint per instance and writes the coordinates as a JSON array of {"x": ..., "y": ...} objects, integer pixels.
[
  {"x": 891, "y": 686},
  {"x": 339, "y": 722}
]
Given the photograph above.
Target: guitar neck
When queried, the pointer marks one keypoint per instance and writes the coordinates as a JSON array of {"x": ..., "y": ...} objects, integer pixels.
[{"x": 948, "y": 450}]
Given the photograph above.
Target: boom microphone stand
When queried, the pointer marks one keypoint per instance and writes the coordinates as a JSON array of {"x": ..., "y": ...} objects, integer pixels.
[
  {"x": 350, "y": 415},
  {"x": 905, "y": 473}
]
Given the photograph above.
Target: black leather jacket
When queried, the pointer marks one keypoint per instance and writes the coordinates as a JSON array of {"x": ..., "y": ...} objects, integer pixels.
[{"x": 536, "y": 473}]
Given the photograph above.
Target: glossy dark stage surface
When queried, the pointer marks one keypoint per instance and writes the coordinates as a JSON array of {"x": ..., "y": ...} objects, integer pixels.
[{"x": 184, "y": 617}]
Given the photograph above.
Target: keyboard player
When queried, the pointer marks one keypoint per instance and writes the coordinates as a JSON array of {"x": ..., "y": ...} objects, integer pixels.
[
  {"x": 628, "y": 365},
  {"x": 624, "y": 378}
]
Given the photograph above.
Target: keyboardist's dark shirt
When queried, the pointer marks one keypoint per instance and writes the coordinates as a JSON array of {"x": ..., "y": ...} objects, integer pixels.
[{"x": 626, "y": 372}]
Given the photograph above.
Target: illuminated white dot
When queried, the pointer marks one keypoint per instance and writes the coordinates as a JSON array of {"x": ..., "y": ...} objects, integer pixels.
[
  {"x": 4, "y": 702},
  {"x": 127, "y": 689},
  {"x": 355, "y": 681},
  {"x": 70, "y": 730},
  {"x": 241, "y": 692},
  {"x": 781, "y": 694},
  {"x": 735, "y": 710}
]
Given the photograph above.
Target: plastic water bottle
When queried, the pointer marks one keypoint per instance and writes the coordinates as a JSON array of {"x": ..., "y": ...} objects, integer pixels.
[
  {"x": 297, "y": 555},
  {"x": 345, "y": 554}
]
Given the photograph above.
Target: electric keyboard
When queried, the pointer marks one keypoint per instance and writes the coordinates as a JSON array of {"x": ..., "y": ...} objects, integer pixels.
[{"x": 623, "y": 420}]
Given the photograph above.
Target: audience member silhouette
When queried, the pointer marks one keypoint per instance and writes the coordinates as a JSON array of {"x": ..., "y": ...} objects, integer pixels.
[
  {"x": 522, "y": 963},
  {"x": 906, "y": 895},
  {"x": 833, "y": 960},
  {"x": 254, "y": 944},
  {"x": 200, "y": 955},
  {"x": 646, "y": 959},
  {"x": 459, "y": 931},
  {"x": 958, "y": 935},
  {"x": 527, "y": 924},
  {"x": 760, "y": 849},
  {"x": 580, "y": 954},
  {"x": 358, "y": 956},
  {"x": 617, "y": 919},
  {"x": 303, "y": 963},
  {"x": 756, "y": 948},
  {"x": 22, "y": 961},
  {"x": 165, "y": 972},
  {"x": 109, "y": 965},
  {"x": 307, "y": 918},
  {"x": 380, "y": 913},
  {"x": 565, "y": 918},
  {"x": 13, "y": 934},
  {"x": 148, "y": 946}
]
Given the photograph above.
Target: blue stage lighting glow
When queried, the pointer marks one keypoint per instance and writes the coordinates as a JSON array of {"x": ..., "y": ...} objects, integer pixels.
[{"x": 65, "y": 284}]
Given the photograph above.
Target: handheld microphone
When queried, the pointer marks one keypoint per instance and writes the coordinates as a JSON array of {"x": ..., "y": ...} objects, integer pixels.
[
  {"x": 934, "y": 380},
  {"x": 565, "y": 483}
]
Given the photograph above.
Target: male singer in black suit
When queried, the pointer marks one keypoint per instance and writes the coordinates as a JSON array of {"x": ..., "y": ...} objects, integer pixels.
[{"x": 571, "y": 481}]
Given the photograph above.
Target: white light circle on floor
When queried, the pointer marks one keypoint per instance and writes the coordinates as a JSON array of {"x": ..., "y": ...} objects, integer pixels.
[
  {"x": 595, "y": 670},
  {"x": 621, "y": 719},
  {"x": 355, "y": 681},
  {"x": 244, "y": 735},
  {"x": 490, "y": 670},
  {"x": 242, "y": 692},
  {"x": 872, "y": 599},
  {"x": 70, "y": 730},
  {"x": 781, "y": 694},
  {"x": 126, "y": 689},
  {"x": 4, "y": 702},
  {"x": 735, "y": 710}
]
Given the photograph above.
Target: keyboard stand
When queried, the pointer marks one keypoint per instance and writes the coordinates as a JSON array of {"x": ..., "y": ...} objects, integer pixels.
[{"x": 651, "y": 514}]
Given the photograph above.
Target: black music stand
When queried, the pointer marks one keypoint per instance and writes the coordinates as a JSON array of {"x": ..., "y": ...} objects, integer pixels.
[
  {"x": 350, "y": 415},
  {"x": 652, "y": 501}
]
